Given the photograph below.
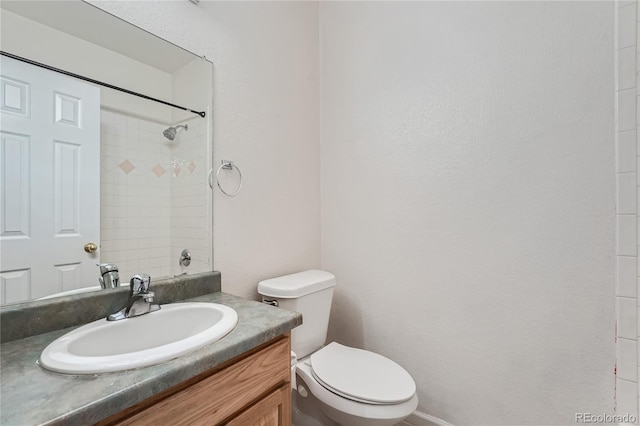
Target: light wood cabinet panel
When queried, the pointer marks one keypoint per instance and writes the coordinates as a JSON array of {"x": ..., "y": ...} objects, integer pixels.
[
  {"x": 272, "y": 410},
  {"x": 257, "y": 381}
]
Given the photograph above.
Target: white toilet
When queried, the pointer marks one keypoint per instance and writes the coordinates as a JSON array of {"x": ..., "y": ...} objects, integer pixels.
[{"x": 335, "y": 384}]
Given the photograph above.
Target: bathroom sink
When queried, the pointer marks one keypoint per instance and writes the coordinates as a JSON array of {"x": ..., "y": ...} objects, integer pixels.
[{"x": 107, "y": 346}]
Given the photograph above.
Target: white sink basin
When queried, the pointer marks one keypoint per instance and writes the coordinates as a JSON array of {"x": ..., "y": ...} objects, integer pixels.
[{"x": 107, "y": 346}]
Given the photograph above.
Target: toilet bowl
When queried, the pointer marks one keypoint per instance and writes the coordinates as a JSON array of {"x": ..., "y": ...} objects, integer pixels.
[
  {"x": 354, "y": 387},
  {"x": 336, "y": 384}
]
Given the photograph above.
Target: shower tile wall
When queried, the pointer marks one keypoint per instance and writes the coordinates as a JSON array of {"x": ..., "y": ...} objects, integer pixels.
[
  {"x": 627, "y": 189},
  {"x": 135, "y": 195},
  {"x": 154, "y": 196},
  {"x": 190, "y": 221}
]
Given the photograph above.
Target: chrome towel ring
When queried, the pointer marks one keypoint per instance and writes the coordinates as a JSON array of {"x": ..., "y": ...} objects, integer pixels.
[{"x": 226, "y": 165}]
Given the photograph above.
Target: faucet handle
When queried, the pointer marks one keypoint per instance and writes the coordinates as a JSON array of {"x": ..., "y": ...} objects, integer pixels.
[
  {"x": 140, "y": 283},
  {"x": 107, "y": 267},
  {"x": 109, "y": 277}
]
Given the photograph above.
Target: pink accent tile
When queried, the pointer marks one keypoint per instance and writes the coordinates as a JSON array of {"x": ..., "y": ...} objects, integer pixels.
[
  {"x": 158, "y": 170},
  {"x": 126, "y": 166},
  {"x": 176, "y": 170},
  {"x": 192, "y": 166}
]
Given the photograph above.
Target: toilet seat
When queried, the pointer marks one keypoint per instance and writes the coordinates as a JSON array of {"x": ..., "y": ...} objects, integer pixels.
[
  {"x": 337, "y": 406},
  {"x": 361, "y": 376}
]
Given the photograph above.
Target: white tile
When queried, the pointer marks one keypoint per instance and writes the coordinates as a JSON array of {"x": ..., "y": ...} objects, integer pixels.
[
  {"x": 120, "y": 234},
  {"x": 107, "y": 245},
  {"x": 626, "y": 397},
  {"x": 637, "y": 103},
  {"x": 119, "y": 118},
  {"x": 133, "y": 122},
  {"x": 105, "y": 115},
  {"x": 623, "y": 3},
  {"x": 626, "y": 193},
  {"x": 626, "y": 235},
  {"x": 637, "y": 238},
  {"x": 626, "y": 26},
  {"x": 119, "y": 130},
  {"x": 626, "y": 275},
  {"x": 133, "y": 244},
  {"x": 626, "y": 110},
  {"x": 627, "y": 354},
  {"x": 107, "y": 210},
  {"x": 627, "y": 314},
  {"x": 626, "y": 68},
  {"x": 107, "y": 200},
  {"x": 626, "y": 152}
]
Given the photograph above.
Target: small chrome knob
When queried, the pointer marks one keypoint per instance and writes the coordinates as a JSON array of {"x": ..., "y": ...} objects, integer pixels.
[
  {"x": 185, "y": 258},
  {"x": 109, "y": 277}
]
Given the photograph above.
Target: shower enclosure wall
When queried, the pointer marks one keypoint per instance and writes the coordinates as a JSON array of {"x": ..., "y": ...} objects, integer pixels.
[
  {"x": 153, "y": 196},
  {"x": 627, "y": 159}
]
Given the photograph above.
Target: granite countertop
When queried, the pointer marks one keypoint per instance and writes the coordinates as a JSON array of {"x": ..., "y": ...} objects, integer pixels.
[{"x": 32, "y": 396}]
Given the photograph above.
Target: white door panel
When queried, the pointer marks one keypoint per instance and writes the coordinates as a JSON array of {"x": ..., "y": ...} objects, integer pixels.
[{"x": 49, "y": 181}]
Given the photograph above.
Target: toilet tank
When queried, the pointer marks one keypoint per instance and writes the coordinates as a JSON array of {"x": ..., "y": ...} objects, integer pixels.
[{"x": 308, "y": 293}]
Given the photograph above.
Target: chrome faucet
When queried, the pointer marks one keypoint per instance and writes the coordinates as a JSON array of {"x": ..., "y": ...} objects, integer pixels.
[
  {"x": 109, "y": 277},
  {"x": 140, "y": 299}
]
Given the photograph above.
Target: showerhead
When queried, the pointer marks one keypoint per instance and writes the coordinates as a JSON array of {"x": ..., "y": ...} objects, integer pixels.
[{"x": 171, "y": 132}]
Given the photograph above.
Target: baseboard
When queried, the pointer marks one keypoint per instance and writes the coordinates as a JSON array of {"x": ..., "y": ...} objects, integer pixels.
[{"x": 421, "y": 419}]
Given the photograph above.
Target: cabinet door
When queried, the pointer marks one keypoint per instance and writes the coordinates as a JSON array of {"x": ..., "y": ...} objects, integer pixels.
[{"x": 272, "y": 410}]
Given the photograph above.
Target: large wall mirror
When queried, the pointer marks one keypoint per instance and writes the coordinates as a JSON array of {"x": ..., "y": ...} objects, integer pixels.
[{"x": 90, "y": 174}]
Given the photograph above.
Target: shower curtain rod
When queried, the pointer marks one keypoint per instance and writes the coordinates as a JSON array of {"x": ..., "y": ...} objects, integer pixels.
[{"x": 90, "y": 80}]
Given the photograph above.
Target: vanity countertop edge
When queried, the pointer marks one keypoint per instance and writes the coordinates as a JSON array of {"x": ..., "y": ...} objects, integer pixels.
[{"x": 31, "y": 395}]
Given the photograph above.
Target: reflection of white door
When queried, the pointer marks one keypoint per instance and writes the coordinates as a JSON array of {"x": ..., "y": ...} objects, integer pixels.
[{"x": 49, "y": 181}]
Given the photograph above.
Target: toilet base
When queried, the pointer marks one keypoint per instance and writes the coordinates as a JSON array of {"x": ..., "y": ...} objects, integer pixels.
[{"x": 308, "y": 410}]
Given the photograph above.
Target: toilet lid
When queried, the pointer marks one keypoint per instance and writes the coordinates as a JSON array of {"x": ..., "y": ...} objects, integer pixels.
[{"x": 361, "y": 375}]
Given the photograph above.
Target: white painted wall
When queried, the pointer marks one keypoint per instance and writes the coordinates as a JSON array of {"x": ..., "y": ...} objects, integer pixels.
[
  {"x": 265, "y": 119},
  {"x": 467, "y": 184},
  {"x": 468, "y": 200}
]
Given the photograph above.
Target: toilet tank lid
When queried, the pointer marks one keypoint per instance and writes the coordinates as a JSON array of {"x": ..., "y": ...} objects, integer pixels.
[{"x": 296, "y": 285}]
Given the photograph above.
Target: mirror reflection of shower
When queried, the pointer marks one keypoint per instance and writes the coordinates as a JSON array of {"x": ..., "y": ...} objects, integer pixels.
[{"x": 171, "y": 132}]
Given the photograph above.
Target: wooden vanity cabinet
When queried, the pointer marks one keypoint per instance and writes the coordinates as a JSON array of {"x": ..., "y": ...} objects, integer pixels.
[
  {"x": 250, "y": 390},
  {"x": 269, "y": 411}
]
